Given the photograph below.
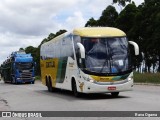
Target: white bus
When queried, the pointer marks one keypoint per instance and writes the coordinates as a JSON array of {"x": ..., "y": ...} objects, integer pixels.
[{"x": 88, "y": 60}]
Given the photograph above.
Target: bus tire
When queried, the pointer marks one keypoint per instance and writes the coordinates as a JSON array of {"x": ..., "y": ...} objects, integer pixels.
[
  {"x": 115, "y": 94},
  {"x": 74, "y": 89},
  {"x": 49, "y": 86}
]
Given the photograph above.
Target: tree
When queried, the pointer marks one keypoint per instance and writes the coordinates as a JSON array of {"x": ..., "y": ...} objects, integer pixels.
[
  {"x": 126, "y": 19},
  {"x": 150, "y": 29},
  {"x": 60, "y": 32},
  {"x": 91, "y": 23},
  {"x": 50, "y": 36},
  {"x": 108, "y": 17},
  {"x": 21, "y": 49},
  {"x": 121, "y": 2}
]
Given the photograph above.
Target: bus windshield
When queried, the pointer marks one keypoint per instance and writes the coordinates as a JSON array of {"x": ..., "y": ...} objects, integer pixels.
[{"x": 106, "y": 55}]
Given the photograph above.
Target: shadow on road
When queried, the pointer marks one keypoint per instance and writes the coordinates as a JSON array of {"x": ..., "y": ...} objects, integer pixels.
[{"x": 65, "y": 94}]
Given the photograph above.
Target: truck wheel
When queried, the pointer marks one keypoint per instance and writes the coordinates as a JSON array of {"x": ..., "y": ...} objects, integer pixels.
[
  {"x": 12, "y": 82},
  {"x": 33, "y": 82},
  {"x": 74, "y": 89},
  {"x": 16, "y": 82},
  {"x": 115, "y": 94}
]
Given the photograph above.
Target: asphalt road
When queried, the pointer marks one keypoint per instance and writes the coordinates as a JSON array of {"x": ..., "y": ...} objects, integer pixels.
[{"x": 35, "y": 97}]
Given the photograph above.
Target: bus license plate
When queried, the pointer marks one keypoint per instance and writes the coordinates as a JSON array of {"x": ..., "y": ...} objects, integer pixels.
[{"x": 112, "y": 88}]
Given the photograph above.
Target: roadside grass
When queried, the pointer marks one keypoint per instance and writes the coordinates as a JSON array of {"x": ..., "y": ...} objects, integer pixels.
[
  {"x": 153, "y": 78},
  {"x": 37, "y": 77}
]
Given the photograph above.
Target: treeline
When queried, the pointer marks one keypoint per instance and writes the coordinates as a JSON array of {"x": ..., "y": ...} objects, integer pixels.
[{"x": 140, "y": 23}]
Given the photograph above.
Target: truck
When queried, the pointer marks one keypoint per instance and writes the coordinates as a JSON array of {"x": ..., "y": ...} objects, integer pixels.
[{"x": 18, "y": 68}]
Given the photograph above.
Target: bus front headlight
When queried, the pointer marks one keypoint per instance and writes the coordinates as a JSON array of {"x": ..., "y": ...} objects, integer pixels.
[
  {"x": 130, "y": 78},
  {"x": 91, "y": 81},
  {"x": 88, "y": 79}
]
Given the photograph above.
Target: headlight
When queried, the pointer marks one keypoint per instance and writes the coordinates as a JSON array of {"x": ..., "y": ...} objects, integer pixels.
[
  {"x": 88, "y": 79},
  {"x": 130, "y": 78},
  {"x": 91, "y": 81}
]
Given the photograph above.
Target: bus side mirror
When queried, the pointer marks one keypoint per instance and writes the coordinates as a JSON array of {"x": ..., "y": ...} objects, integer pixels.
[
  {"x": 136, "y": 47},
  {"x": 81, "y": 50}
]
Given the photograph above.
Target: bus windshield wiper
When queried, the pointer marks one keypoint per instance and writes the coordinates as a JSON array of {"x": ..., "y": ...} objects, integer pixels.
[{"x": 106, "y": 62}]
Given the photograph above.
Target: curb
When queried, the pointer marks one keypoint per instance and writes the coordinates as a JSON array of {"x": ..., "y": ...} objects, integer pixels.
[{"x": 150, "y": 84}]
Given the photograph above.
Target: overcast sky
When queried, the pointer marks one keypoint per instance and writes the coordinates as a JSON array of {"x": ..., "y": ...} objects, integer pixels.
[{"x": 28, "y": 22}]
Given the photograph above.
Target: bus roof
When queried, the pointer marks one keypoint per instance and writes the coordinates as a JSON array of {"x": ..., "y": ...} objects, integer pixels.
[{"x": 98, "y": 32}]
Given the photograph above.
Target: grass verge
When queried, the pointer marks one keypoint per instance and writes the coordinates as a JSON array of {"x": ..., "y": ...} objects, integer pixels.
[
  {"x": 37, "y": 77},
  {"x": 147, "y": 78}
]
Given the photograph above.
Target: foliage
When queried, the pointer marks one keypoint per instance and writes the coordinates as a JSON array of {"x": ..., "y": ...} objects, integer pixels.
[
  {"x": 126, "y": 18},
  {"x": 108, "y": 17},
  {"x": 37, "y": 77},
  {"x": 121, "y": 2},
  {"x": 91, "y": 22}
]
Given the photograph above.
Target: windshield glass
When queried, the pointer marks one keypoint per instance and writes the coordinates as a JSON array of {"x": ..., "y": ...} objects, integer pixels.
[
  {"x": 106, "y": 55},
  {"x": 24, "y": 65}
]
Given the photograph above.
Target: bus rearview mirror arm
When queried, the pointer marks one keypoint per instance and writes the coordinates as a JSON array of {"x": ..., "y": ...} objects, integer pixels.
[
  {"x": 136, "y": 47},
  {"x": 82, "y": 50}
]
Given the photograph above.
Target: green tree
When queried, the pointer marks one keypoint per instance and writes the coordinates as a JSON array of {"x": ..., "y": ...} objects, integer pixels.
[
  {"x": 21, "y": 49},
  {"x": 150, "y": 29},
  {"x": 121, "y": 2},
  {"x": 108, "y": 17},
  {"x": 50, "y": 36},
  {"x": 34, "y": 52},
  {"x": 126, "y": 19},
  {"x": 91, "y": 23},
  {"x": 60, "y": 32}
]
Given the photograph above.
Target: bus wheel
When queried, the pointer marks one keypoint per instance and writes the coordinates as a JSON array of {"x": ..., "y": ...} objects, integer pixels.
[
  {"x": 49, "y": 86},
  {"x": 74, "y": 89},
  {"x": 115, "y": 94}
]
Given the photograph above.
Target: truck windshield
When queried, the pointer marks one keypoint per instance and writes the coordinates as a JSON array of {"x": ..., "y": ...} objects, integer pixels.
[
  {"x": 24, "y": 65},
  {"x": 106, "y": 55}
]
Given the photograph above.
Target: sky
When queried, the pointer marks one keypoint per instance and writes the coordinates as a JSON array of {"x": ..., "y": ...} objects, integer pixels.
[{"x": 26, "y": 23}]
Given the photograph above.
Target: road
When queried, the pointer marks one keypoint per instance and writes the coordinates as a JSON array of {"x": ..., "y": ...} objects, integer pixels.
[{"x": 35, "y": 97}]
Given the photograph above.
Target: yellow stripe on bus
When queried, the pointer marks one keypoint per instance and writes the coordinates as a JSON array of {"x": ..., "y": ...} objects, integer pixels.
[{"x": 102, "y": 79}]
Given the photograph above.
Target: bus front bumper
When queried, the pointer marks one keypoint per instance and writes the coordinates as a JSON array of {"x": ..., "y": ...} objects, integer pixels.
[{"x": 89, "y": 87}]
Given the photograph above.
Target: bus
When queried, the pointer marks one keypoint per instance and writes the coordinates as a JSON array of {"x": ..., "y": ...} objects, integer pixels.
[{"x": 88, "y": 60}]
